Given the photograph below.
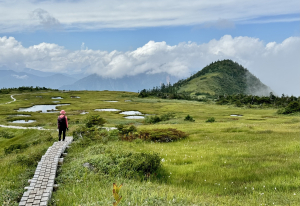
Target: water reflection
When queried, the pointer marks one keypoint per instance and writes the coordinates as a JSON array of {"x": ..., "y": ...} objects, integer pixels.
[
  {"x": 23, "y": 121},
  {"x": 107, "y": 110},
  {"x": 42, "y": 108},
  {"x": 135, "y": 117},
  {"x": 131, "y": 113}
]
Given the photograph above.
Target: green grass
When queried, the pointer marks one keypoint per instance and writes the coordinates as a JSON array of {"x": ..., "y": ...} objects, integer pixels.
[{"x": 248, "y": 160}]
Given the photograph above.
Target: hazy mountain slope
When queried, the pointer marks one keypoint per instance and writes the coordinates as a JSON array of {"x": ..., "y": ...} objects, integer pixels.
[
  {"x": 9, "y": 79},
  {"x": 223, "y": 77},
  {"x": 128, "y": 83}
]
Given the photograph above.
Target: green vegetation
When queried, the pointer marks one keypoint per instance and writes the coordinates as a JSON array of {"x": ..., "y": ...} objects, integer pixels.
[
  {"x": 251, "y": 159},
  {"x": 291, "y": 108},
  {"x": 155, "y": 119},
  {"x": 189, "y": 118},
  {"x": 210, "y": 119},
  {"x": 18, "y": 159},
  {"x": 218, "y": 78},
  {"x": 25, "y": 89}
]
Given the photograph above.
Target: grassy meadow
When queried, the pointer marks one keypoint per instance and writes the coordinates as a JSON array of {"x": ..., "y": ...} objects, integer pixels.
[{"x": 237, "y": 160}]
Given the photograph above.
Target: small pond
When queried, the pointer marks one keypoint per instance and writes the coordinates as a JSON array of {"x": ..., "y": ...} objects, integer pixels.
[
  {"x": 56, "y": 98},
  {"x": 23, "y": 121},
  {"x": 110, "y": 101},
  {"x": 18, "y": 127},
  {"x": 131, "y": 113},
  {"x": 107, "y": 110},
  {"x": 75, "y": 97},
  {"x": 55, "y": 101},
  {"x": 84, "y": 112},
  {"x": 42, "y": 108},
  {"x": 128, "y": 100},
  {"x": 135, "y": 117},
  {"x": 236, "y": 115}
]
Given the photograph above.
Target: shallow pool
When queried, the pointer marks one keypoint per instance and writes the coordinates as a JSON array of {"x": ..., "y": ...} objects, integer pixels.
[
  {"x": 131, "y": 113},
  {"x": 23, "y": 121},
  {"x": 135, "y": 117},
  {"x": 107, "y": 110}
]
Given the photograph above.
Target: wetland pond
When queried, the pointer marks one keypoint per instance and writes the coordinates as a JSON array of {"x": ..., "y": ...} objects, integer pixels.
[
  {"x": 134, "y": 117},
  {"x": 131, "y": 113},
  {"x": 56, "y": 98},
  {"x": 236, "y": 115},
  {"x": 107, "y": 110},
  {"x": 22, "y": 121},
  {"x": 42, "y": 108}
]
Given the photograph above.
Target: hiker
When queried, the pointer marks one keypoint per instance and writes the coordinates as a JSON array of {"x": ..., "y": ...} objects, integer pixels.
[{"x": 62, "y": 125}]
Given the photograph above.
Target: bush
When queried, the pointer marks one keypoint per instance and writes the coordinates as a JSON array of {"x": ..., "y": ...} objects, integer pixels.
[
  {"x": 124, "y": 130},
  {"x": 189, "y": 118},
  {"x": 152, "y": 119},
  {"x": 6, "y": 135},
  {"x": 292, "y": 107},
  {"x": 126, "y": 164},
  {"x": 94, "y": 120},
  {"x": 156, "y": 119},
  {"x": 162, "y": 135},
  {"x": 210, "y": 119},
  {"x": 167, "y": 116}
]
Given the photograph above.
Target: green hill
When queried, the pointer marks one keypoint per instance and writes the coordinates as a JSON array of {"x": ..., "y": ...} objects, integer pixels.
[{"x": 222, "y": 77}]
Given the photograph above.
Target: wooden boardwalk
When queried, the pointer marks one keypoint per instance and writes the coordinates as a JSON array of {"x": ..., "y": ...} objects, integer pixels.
[{"x": 41, "y": 185}]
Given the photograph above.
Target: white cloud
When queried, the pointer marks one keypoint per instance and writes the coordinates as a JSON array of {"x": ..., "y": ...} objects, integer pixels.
[
  {"x": 276, "y": 64},
  {"x": 20, "y": 77},
  {"x": 45, "y": 19},
  {"x": 93, "y": 15}
]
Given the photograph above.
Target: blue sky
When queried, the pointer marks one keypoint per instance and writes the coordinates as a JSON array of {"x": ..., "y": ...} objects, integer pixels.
[{"x": 117, "y": 38}]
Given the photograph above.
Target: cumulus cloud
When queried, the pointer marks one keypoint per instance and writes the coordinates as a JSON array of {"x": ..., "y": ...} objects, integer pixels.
[
  {"x": 45, "y": 19},
  {"x": 94, "y": 15},
  {"x": 276, "y": 64}
]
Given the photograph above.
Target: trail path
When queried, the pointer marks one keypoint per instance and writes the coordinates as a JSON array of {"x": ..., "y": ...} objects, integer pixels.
[
  {"x": 41, "y": 185},
  {"x": 12, "y": 97}
]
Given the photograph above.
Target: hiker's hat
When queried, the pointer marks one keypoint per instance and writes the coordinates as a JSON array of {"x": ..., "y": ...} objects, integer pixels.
[{"x": 62, "y": 112}]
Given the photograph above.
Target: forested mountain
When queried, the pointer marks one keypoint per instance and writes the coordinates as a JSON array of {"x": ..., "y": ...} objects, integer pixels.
[
  {"x": 223, "y": 77},
  {"x": 218, "y": 78}
]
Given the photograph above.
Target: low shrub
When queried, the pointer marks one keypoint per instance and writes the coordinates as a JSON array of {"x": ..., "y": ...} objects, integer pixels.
[
  {"x": 156, "y": 119},
  {"x": 168, "y": 116},
  {"x": 152, "y": 119},
  {"x": 162, "y": 135},
  {"x": 126, "y": 164},
  {"x": 94, "y": 121},
  {"x": 291, "y": 108},
  {"x": 124, "y": 130},
  {"x": 189, "y": 118},
  {"x": 211, "y": 119},
  {"x": 6, "y": 135}
]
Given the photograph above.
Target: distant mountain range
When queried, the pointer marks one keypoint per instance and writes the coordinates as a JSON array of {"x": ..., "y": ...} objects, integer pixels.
[
  {"x": 221, "y": 77},
  {"x": 127, "y": 83},
  {"x": 31, "y": 77},
  {"x": 9, "y": 79}
]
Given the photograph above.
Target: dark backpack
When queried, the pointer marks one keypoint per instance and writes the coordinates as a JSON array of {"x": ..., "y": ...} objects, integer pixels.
[{"x": 61, "y": 122}]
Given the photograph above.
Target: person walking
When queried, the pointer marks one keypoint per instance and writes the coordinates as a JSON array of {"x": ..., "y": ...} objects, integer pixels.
[{"x": 62, "y": 125}]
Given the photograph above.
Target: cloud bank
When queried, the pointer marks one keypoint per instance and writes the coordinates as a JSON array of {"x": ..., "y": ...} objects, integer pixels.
[
  {"x": 102, "y": 14},
  {"x": 276, "y": 64}
]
